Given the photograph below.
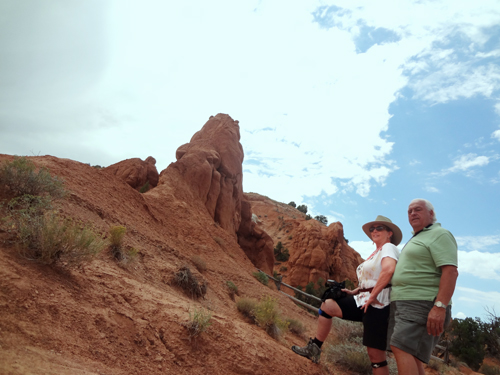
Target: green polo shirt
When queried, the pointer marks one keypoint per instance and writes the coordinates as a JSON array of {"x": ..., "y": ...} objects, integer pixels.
[{"x": 418, "y": 272}]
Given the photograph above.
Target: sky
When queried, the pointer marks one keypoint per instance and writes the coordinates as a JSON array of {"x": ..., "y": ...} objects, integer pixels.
[{"x": 351, "y": 107}]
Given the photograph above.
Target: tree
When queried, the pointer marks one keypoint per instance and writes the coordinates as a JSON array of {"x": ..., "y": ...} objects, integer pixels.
[
  {"x": 322, "y": 219},
  {"x": 292, "y": 203},
  {"x": 302, "y": 208},
  {"x": 281, "y": 253},
  {"x": 468, "y": 341},
  {"x": 308, "y": 217}
]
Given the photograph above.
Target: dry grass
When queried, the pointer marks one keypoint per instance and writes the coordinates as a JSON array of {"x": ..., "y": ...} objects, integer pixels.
[
  {"x": 199, "y": 263},
  {"x": 185, "y": 279},
  {"x": 199, "y": 321}
]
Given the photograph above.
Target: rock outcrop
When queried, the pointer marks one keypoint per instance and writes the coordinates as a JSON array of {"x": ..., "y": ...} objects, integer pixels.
[
  {"x": 136, "y": 172},
  {"x": 316, "y": 251},
  {"x": 208, "y": 170}
]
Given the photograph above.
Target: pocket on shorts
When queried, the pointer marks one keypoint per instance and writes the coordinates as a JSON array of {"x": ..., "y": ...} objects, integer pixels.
[{"x": 413, "y": 311}]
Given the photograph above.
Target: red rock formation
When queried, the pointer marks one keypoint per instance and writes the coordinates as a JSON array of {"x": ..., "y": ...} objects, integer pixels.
[
  {"x": 321, "y": 252},
  {"x": 316, "y": 251},
  {"x": 209, "y": 170},
  {"x": 136, "y": 172}
]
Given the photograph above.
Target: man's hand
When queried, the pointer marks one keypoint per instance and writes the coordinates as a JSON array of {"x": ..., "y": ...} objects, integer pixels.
[{"x": 435, "y": 321}]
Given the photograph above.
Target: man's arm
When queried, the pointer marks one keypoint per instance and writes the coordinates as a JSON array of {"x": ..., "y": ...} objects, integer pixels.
[{"x": 435, "y": 320}]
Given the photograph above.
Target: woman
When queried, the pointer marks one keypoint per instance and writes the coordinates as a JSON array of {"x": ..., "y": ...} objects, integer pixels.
[{"x": 369, "y": 303}]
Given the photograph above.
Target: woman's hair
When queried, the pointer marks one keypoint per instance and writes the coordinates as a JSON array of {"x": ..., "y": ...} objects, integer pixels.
[{"x": 429, "y": 207}]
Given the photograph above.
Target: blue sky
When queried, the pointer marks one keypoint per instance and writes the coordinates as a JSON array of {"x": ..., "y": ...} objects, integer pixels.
[{"x": 351, "y": 107}]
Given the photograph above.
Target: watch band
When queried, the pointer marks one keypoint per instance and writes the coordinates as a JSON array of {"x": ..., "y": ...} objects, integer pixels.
[{"x": 440, "y": 304}]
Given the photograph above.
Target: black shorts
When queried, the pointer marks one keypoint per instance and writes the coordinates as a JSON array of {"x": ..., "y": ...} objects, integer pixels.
[{"x": 375, "y": 321}]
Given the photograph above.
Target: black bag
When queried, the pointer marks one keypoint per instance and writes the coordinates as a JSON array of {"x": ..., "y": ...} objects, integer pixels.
[{"x": 334, "y": 291}]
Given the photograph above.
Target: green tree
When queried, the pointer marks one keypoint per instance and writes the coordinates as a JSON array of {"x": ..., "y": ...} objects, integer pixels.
[
  {"x": 468, "y": 341},
  {"x": 302, "y": 208},
  {"x": 322, "y": 219},
  {"x": 281, "y": 253},
  {"x": 292, "y": 203}
]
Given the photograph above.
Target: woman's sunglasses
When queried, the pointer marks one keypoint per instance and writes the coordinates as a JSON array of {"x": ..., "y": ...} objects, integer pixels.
[{"x": 380, "y": 228}]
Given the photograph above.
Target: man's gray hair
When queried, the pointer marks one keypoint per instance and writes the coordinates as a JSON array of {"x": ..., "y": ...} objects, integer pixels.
[{"x": 429, "y": 207}]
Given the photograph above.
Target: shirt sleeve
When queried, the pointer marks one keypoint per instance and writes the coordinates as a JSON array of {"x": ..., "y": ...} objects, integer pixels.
[
  {"x": 444, "y": 250},
  {"x": 390, "y": 250}
]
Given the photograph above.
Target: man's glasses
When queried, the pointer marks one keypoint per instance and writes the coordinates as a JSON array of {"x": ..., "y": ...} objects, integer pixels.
[{"x": 380, "y": 228}]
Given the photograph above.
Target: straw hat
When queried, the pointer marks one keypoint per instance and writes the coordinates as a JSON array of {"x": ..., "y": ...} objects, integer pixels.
[{"x": 397, "y": 236}]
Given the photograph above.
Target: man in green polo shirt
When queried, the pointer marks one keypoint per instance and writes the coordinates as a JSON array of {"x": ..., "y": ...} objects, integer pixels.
[{"x": 422, "y": 286}]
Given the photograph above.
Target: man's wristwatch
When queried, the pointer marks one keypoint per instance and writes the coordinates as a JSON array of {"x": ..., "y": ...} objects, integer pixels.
[{"x": 440, "y": 304}]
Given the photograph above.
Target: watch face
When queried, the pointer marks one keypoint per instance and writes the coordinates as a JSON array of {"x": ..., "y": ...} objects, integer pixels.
[{"x": 440, "y": 304}]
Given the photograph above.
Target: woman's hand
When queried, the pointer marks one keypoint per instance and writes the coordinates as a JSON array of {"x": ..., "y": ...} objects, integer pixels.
[
  {"x": 351, "y": 292},
  {"x": 369, "y": 301}
]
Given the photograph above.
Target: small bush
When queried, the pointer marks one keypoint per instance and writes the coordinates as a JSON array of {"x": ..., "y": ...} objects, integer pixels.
[
  {"x": 219, "y": 240},
  {"x": 144, "y": 188},
  {"x": 296, "y": 327},
  {"x": 350, "y": 356},
  {"x": 199, "y": 263},
  {"x": 489, "y": 370},
  {"x": 22, "y": 177},
  {"x": 47, "y": 238},
  {"x": 116, "y": 235},
  {"x": 199, "y": 321},
  {"x": 233, "y": 289},
  {"x": 267, "y": 316},
  {"x": 246, "y": 306},
  {"x": 189, "y": 283},
  {"x": 347, "y": 331},
  {"x": 261, "y": 277}
]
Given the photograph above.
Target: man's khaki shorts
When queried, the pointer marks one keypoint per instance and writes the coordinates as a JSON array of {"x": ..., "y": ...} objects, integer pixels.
[{"x": 408, "y": 328}]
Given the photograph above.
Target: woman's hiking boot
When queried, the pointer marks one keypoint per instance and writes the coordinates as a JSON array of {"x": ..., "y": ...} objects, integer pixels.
[{"x": 311, "y": 351}]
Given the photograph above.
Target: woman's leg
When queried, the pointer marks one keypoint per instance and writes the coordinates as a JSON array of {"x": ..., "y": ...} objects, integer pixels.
[
  {"x": 378, "y": 356},
  {"x": 325, "y": 324}
]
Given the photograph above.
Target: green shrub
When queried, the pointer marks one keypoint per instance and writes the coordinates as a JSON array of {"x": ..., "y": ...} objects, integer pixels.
[
  {"x": 185, "y": 279},
  {"x": 219, "y": 240},
  {"x": 47, "y": 238},
  {"x": 302, "y": 208},
  {"x": 281, "y": 253},
  {"x": 246, "y": 306},
  {"x": 199, "y": 321},
  {"x": 144, "y": 188},
  {"x": 489, "y": 370},
  {"x": 116, "y": 235},
  {"x": 233, "y": 289},
  {"x": 283, "y": 268},
  {"x": 346, "y": 331},
  {"x": 350, "y": 356},
  {"x": 261, "y": 277},
  {"x": 22, "y": 177},
  {"x": 322, "y": 219},
  {"x": 199, "y": 263},
  {"x": 267, "y": 316},
  {"x": 292, "y": 203},
  {"x": 468, "y": 341},
  {"x": 296, "y": 327}
]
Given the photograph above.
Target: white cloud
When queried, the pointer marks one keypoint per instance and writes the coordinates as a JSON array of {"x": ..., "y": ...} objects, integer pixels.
[
  {"x": 468, "y": 161},
  {"x": 496, "y": 134},
  {"x": 431, "y": 189},
  {"x": 460, "y": 315},
  {"x": 486, "y": 298},
  {"x": 477, "y": 243},
  {"x": 479, "y": 264}
]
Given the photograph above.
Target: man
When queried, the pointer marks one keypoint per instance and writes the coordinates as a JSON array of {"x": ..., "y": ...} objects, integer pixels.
[{"x": 422, "y": 287}]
